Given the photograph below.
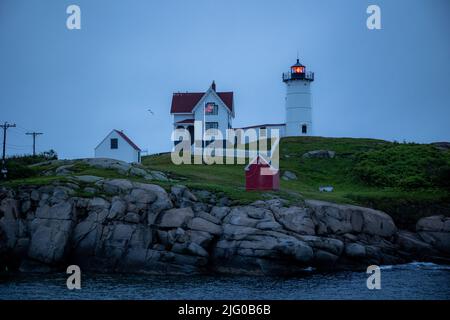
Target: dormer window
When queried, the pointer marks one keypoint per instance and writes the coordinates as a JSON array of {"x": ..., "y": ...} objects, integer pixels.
[{"x": 211, "y": 109}]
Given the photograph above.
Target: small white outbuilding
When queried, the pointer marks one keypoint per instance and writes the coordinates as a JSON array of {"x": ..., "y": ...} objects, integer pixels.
[{"x": 118, "y": 146}]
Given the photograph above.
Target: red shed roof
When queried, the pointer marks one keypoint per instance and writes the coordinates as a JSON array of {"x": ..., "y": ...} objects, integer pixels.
[
  {"x": 259, "y": 160},
  {"x": 185, "y": 102},
  {"x": 125, "y": 137}
]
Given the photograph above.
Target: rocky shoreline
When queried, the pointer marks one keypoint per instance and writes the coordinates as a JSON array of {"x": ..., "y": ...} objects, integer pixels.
[{"x": 141, "y": 228}]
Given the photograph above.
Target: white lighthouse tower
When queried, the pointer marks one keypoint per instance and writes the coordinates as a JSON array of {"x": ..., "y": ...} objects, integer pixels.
[{"x": 298, "y": 101}]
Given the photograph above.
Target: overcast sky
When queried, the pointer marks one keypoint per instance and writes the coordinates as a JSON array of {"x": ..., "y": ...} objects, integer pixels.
[{"x": 77, "y": 85}]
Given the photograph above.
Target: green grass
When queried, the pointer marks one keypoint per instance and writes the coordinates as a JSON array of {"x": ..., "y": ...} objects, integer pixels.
[
  {"x": 82, "y": 169},
  {"x": 349, "y": 185},
  {"x": 33, "y": 181},
  {"x": 227, "y": 179},
  {"x": 311, "y": 173}
]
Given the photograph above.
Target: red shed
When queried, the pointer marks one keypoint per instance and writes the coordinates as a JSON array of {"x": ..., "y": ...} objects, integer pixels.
[{"x": 260, "y": 175}]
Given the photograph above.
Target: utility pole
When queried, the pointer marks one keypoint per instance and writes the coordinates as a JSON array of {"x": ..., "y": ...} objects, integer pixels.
[
  {"x": 34, "y": 134},
  {"x": 5, "y": 127}
]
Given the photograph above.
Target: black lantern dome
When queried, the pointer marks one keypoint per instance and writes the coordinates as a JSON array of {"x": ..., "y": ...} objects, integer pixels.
[{"x": 298, "y": 72}]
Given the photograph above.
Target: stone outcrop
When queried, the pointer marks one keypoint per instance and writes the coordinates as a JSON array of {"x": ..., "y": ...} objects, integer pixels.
[
  {"x": 67, "y": 167},
  {"x": 342, "y": 219},
  {"x": 324, "y": 154},
  {"x": 435, "y": 231},
  {"x": 136, "y": 227},
  {"x": 289, "y": 175}
]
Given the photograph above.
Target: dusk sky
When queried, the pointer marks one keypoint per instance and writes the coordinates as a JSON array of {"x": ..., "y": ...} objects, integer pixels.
[{"x": 77, "y": 85}]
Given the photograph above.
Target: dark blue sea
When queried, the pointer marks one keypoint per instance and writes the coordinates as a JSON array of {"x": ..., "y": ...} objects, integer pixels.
[{"x": 410, "y": 281}]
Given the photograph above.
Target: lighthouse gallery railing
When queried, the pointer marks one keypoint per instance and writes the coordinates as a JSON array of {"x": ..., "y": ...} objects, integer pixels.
[{"x": 303, "y": 76}]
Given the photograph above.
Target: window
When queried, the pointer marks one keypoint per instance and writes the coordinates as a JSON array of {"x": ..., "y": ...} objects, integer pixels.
[
  {"x": 263, "y": 131},
  {"x": 304, "y": 129},
  {"x": 211, "y": 109},
  {"x": 211, "y": 128},
  {"x": 211, "y": 125},
  {"x": 114, "y": 143}
]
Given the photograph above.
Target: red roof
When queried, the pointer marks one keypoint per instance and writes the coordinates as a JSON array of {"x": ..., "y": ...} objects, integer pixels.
[
  {"x": 186, "y": 121},
  {"x": 258, "y": 160},
  {"x": 264, "y": 125},
  {"x": 125, "y": 137},
  {"x": 185, "y": 102}
]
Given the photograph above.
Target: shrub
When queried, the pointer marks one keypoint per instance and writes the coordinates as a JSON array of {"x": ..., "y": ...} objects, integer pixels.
[
  {"x": 442, "y": 177},
  {"x": 18, "y": 166},
  {"x": 407, "y": 166}
]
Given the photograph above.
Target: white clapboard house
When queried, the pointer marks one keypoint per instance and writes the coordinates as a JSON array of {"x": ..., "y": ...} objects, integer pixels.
[
  {"x": 116, "y": 145},
  {"x": 214, "y": 109}
]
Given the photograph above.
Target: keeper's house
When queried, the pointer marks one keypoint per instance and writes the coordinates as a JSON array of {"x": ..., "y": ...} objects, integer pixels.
[{"x": 214, "y": 109}]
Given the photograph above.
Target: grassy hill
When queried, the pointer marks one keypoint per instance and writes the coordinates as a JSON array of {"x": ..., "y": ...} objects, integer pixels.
[{"x": 407, "y": 181}]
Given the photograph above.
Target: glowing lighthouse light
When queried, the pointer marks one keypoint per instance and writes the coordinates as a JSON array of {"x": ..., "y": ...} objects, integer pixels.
[{"x": 298, "y": 68}]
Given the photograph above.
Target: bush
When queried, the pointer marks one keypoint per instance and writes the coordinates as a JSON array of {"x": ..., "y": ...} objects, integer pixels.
[
  {"x": 407, "y": 166},
  {"x": 18, "y": 166},
  {"x": 443, "y": 177},
  {"x": 18, "y": 171},
  {"x": 414, "y": 182}
]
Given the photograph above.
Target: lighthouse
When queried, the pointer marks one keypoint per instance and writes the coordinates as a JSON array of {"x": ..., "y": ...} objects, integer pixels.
[{"x": 298, "y": 101}]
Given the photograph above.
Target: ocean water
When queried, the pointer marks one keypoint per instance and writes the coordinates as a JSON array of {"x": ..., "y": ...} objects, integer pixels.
[{"x": 410, "y": 281}]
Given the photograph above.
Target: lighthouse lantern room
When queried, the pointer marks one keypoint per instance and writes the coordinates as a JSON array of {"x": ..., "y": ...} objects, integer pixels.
[{"x": 298, "y": 68}]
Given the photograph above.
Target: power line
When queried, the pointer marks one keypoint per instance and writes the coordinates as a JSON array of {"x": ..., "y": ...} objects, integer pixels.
[
  {"x": 17, "y": 148},
  {"x": 17, "y": 145},
  {"x": 5, "y": 127},
  {"x": 34, "y": 134},
  {"x": 16, "y": 133},
  {"x": 23, "y": 129}
]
